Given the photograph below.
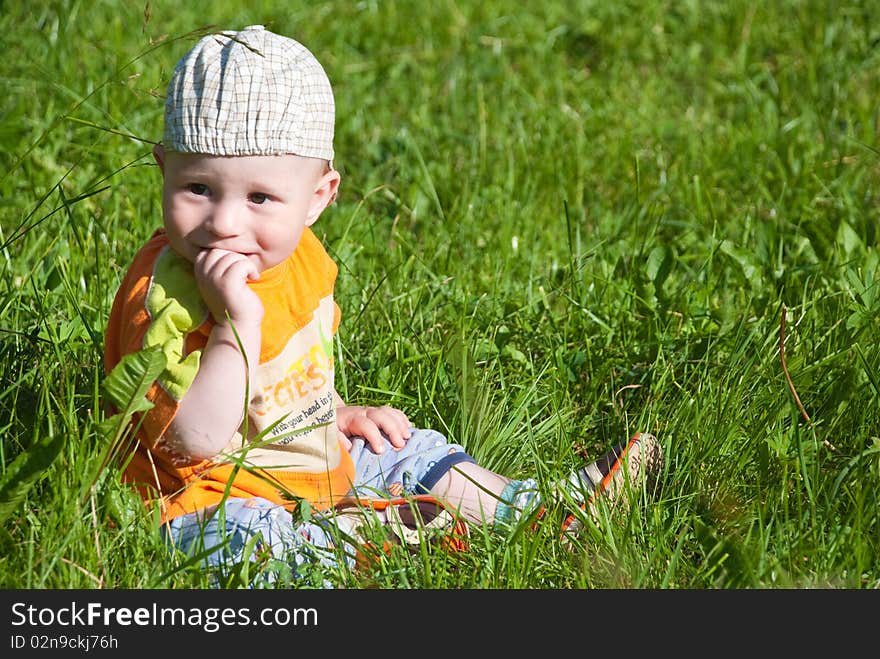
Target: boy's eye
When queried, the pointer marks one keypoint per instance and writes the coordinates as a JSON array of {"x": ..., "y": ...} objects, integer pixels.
[
  {"x": 259, "y": 198},
  {"x": 198, "y": 188}
]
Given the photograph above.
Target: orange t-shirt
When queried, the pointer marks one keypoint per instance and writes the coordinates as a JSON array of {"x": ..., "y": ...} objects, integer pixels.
[{"x": 288, "y": 447}]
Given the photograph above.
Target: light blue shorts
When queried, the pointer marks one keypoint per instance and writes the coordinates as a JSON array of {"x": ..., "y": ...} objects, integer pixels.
[{"x": 253, "y": 531}]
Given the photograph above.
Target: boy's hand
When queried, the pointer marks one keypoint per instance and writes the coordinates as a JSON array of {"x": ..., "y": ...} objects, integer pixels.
[
  {"x": 222, "y": 277},
  {"x": 371, "y": 423}
]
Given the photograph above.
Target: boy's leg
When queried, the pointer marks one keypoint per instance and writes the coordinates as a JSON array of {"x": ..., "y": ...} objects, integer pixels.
[
  {"x": 256, "y": 530},
  {"x": 474, "y": 491},
  {"x": 484, "y": 496},
  {"x": 428, "y": 464}
]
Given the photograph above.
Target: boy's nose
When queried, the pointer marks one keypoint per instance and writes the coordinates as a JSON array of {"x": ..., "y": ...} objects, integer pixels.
[{"x": 223, "y": 221}]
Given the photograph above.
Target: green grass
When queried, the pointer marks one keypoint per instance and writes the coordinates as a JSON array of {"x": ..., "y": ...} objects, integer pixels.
[{"x": 559, "y": 223}]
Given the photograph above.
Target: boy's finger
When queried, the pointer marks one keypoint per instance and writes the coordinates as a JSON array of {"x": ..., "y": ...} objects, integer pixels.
[
  {"x": 392, "y": 421},
  {"x": 396, "y": 437},
  {"x": 370, "y": 433}
]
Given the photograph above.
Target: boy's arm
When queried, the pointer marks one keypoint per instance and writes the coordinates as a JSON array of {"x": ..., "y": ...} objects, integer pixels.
[
  {"x": 213, "y": 407},
  {"x": 371, "y": 423}
]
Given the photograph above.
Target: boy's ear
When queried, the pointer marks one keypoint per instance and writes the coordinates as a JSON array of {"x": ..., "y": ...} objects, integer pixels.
[
  {"x": 325, "y": 194},
  {"x": 159, "y": 155}
]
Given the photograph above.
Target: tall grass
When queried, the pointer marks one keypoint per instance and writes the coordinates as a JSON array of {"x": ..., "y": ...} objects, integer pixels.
[{"x": 560, "y": 223}]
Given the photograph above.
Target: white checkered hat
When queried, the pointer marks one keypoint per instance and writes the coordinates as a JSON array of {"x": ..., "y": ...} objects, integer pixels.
[{"x": 249, "y": 93}]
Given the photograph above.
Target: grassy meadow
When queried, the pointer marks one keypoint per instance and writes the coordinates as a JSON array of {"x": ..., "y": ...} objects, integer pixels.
[{"x": 559, "y": 223}]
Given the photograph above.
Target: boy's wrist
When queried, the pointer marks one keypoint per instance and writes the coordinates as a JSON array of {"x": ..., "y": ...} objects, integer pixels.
[
  {"x": 241, "y": 326},
  {"x": 249, "y": 334}
]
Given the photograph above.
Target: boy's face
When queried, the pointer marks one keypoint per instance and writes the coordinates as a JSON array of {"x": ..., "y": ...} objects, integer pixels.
[{"x": 256, "y": 206}]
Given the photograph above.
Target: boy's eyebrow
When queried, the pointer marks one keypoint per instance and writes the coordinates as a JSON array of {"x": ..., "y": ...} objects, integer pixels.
[{"x": 195, "y": 171}]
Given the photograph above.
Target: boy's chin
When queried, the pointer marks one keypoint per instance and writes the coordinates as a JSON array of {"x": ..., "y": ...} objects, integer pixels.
[{"x": 184, "y": 254}]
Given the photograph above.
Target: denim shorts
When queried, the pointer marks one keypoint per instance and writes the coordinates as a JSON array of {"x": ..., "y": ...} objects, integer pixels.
[{"x": 245, "y": 531}]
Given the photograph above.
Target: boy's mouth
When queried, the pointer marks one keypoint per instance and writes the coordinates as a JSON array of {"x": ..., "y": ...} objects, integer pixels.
[{"x": 241, "y": 252}]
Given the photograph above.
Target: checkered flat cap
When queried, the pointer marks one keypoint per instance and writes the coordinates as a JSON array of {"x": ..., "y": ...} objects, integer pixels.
[{"x": 249, "y": 93}]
